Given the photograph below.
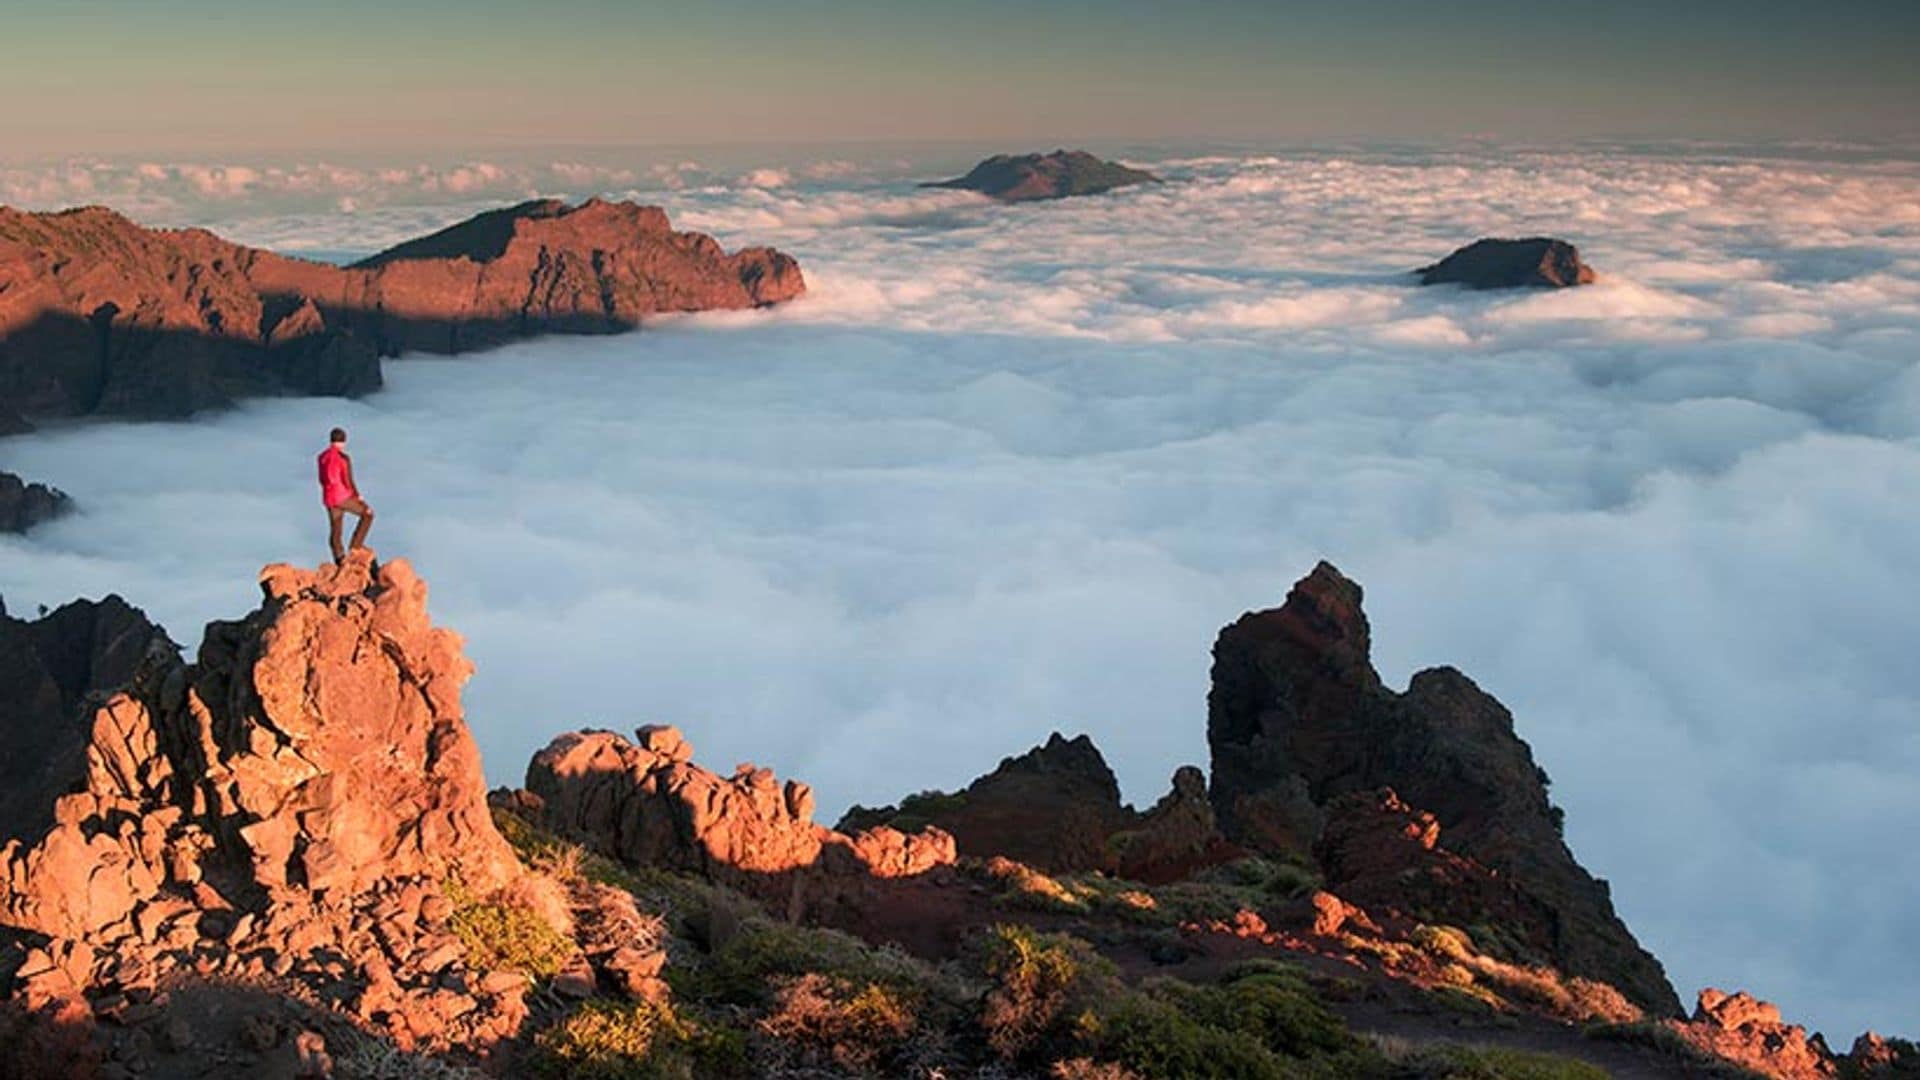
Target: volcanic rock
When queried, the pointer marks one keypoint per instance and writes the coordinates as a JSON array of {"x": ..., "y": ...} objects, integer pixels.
[
  {"x": 1298, "y": 718},
  {"x": 1175, "y": 837},
  {"x": 24, "y": 505},
  {"x": 646, "y": 803},
  {"x": 284, "y": 807},
  {"x": 101, "y": 316},
  {"x": 1742, "y": 1029},
  {"x": 1537, "y": 261},
  {"x": 1053, "y": 807},
  {"x": 1057, "y": 807},
  {"x": 1027, "y": 177}
]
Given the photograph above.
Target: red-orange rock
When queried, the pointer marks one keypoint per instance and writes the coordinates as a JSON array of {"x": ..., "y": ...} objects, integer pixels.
[
  {"x": 645, "y": 802},
  {"x": 1750, "y": 1033},
  {"x": 99, "y": 315},
  {"x": 292, "y": 804}
]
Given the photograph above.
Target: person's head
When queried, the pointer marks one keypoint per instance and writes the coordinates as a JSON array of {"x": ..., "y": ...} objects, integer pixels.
[{"x": 339, "y": 437}]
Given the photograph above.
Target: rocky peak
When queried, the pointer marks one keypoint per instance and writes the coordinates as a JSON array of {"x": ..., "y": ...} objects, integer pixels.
[
  {"x": 253, "y": 813},
  {"x": 1298, "y": 718}
]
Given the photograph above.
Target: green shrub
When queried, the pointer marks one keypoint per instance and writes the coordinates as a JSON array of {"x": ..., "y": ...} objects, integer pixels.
[
  {"x": 1158, "y": 1039},
  {"x": 636, "y": 1041},
  {"x": 500, "y": 936},
  {"x": 764, "y": 950},
  {"x": 1033, "y": 975}
]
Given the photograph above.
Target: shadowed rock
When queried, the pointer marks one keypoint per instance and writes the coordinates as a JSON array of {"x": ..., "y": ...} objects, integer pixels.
[
  {"x": 1057, "y": 807},
  {"x": 1063, "y": 173},
  {"x": 24, "y": 505},
  {"x": 1298, "y": 718},
  {"x": 101, "y": 316},
  {"x": 1536, "y": 262}
]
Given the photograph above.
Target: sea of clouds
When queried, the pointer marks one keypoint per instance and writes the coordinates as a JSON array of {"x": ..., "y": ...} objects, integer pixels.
[{"x": 1008, "y": 469}]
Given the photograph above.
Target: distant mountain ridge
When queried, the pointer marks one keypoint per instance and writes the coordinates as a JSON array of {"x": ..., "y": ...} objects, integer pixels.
[{"x": 102, "y": 316}]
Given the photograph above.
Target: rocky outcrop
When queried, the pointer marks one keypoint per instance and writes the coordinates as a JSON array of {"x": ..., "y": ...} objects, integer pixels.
[
  {"x": 1386, "y": 856},
  {"x": 48, "y": 669},
  {"x": 1748, "y": 1032},
  {"x": 287, "y": 810},
  {"x": 646, "y": 803},
  {"x": 1057, "y": 807},
  {"x": 101, "y": 316},
  {"x": 1027, "y": 177},
  {"x": 1053, "y": 807},
  {"x": 24, "y": 505},
  {"x": 1535, "y": 262},
  {"x": 1298, "y": 718}
]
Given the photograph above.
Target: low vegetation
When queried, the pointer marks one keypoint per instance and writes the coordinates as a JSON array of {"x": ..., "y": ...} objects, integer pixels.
[
  {"x": 639, "y": 1040},
  {"x": 501, "y": 934}
]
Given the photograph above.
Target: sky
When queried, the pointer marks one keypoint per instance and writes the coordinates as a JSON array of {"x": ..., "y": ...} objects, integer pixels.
[
  {"x": 1007, "y": 470},
  {"x": 112, "y": 77}
]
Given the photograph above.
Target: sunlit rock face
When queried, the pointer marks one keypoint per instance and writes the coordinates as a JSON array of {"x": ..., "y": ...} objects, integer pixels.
[
  {"x": 101, "y": 316},
  {"x": 644, "y": 801},
  {"x": 256, "y": 812}
]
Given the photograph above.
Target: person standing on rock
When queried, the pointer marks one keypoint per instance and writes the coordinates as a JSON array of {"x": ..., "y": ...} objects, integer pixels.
[{"x": 341, "y": 497}]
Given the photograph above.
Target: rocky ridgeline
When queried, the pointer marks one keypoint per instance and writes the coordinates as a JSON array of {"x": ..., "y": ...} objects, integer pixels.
[
  {"x": 273, "y": 858},
  {"x": 101, "y": 316},
  {"x": 1057, "y": 808}
]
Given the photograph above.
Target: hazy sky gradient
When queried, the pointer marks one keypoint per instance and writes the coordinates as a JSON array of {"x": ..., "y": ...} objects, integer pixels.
[{"x": 104, "y": 77}]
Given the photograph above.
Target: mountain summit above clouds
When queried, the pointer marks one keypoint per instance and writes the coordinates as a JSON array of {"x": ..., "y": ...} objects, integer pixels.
[
  {"x": 99, "y": 315},
  {"x": 1028, "y": 177}
]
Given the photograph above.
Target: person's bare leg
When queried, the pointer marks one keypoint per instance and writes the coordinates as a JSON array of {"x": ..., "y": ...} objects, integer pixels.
[
  {"x": 366, "y": 522},
  {"x": 334, "y": 514}
]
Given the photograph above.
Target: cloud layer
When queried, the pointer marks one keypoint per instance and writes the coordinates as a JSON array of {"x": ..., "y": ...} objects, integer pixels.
[{"x": 1009, "y": 468}]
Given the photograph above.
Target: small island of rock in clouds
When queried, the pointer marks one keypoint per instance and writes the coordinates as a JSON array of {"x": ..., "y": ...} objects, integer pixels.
[{"x": 815, "y": 679}]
